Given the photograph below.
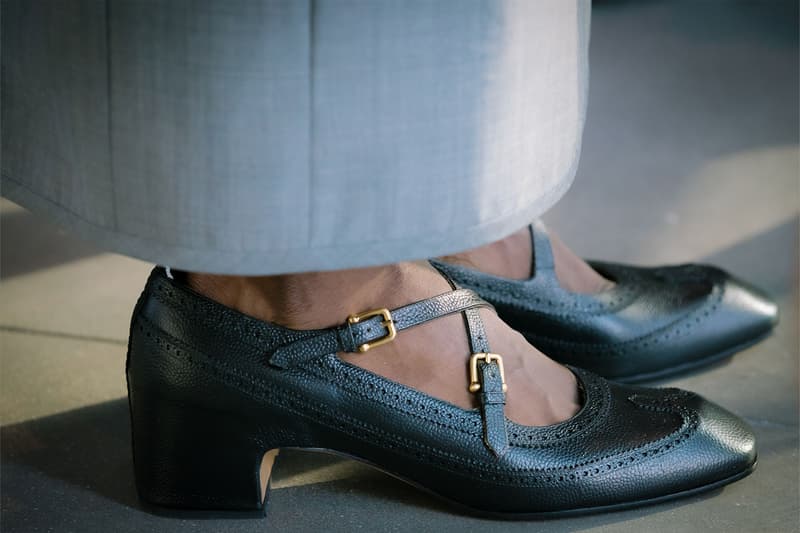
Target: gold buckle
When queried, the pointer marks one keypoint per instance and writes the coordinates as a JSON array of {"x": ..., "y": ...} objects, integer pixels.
[
  {"x": 474, "y": 384},
  {"x": 388, "y": 323}
]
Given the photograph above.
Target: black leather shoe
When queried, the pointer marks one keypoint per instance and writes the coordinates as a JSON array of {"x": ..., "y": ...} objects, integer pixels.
[
  {"x": 214, "y": 394},
  {"x": 654, "y": 322}
]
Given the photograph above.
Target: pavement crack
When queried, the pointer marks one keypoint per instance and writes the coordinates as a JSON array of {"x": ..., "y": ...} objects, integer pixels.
[{"x": 62, "y": 335}]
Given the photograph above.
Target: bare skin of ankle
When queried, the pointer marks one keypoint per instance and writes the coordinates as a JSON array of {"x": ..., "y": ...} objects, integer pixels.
[
  {"x": 512, "y": 257},
  {"x": 431, "y": 358}
]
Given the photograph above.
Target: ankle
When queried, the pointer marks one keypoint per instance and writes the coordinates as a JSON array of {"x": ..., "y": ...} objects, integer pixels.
[
  {"x": 314, "y": 299},
  {"x": 510, "y": 257}
]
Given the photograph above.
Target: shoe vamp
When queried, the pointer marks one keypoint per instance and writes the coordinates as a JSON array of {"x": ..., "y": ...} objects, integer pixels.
[{"x": 660, "y": 303}]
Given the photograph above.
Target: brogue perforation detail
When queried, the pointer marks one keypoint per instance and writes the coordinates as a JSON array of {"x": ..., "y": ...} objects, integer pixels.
[
  {"x": 528, "y": 437},
  {"x": 211, "y": 314},
  {"x": 593, "y": 413},
  {"x": 680, "y": 328},
  {"x": 525, "y": 296},
  {"x": 257, "y": 389}
]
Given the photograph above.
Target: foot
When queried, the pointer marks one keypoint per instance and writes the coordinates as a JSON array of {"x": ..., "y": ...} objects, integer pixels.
[
  {"x": 513, "y": 258},
  {"x": 431, "y": 358}
]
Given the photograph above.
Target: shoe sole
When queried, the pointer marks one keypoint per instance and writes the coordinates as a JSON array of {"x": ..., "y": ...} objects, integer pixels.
[
  {"x": 200, "y": 514},
  {"x": 691, "y": 365},
  {"x": 547, "y": 515}
]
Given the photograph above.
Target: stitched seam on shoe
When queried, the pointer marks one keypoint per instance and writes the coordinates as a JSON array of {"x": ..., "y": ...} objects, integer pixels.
[
  {"x": 598, "y": 413},
  {"x": 569, "y": 310},
  {"x": 176, "y": 297},
  {"x": 231, "y": 376},
  {"x": 632, "y": 344},
  {"x": 260, "y": 392},
  {"x": 216, "y": 366},
  {"x": 545, "y": 438},
  {"x": 166, "y": 296},
  {"x": 545, "y": 306},
  {"x": 511, "y": 292},
  {"x": 436, "y": 421},
  {"x": 602, "y": 308},
  {"x": 541, "y": 439},
  {"x": 354, "y": 391}
]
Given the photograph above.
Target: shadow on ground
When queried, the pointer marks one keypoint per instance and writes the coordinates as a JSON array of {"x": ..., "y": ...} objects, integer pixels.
[{"x": 88, "y": 449}]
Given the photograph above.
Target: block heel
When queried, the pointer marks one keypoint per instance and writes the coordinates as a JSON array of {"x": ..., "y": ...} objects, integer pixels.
[
  {"x": 192, "y": 458},
  {"x": 189, "y": 458}
]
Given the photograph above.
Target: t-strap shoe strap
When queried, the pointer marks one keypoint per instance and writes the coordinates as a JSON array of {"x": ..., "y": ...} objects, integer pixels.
[
  {"x": 366, "y": 330},
  {"x": 487, "y": 379},
  {"x": 544, "y": 266}
]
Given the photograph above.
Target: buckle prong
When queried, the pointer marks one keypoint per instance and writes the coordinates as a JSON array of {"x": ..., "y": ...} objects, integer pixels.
[
  {"x": 486, "y": 357},
  {"x": 388, "y": 323}
]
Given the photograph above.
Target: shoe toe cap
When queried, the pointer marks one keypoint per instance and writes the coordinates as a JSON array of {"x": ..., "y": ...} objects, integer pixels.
[
  {"x": 748, "y": 306},
  {"x": 714, "y": 448},
  {"x": 710, "y": 448},
  {"x": 741, "y": 313},
  {"x": 726, "y": 443},
  {"x": 719, "y": 315}
]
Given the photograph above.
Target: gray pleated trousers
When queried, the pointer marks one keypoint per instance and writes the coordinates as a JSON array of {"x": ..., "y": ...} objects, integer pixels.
[{"x": 264, "y": 137}]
